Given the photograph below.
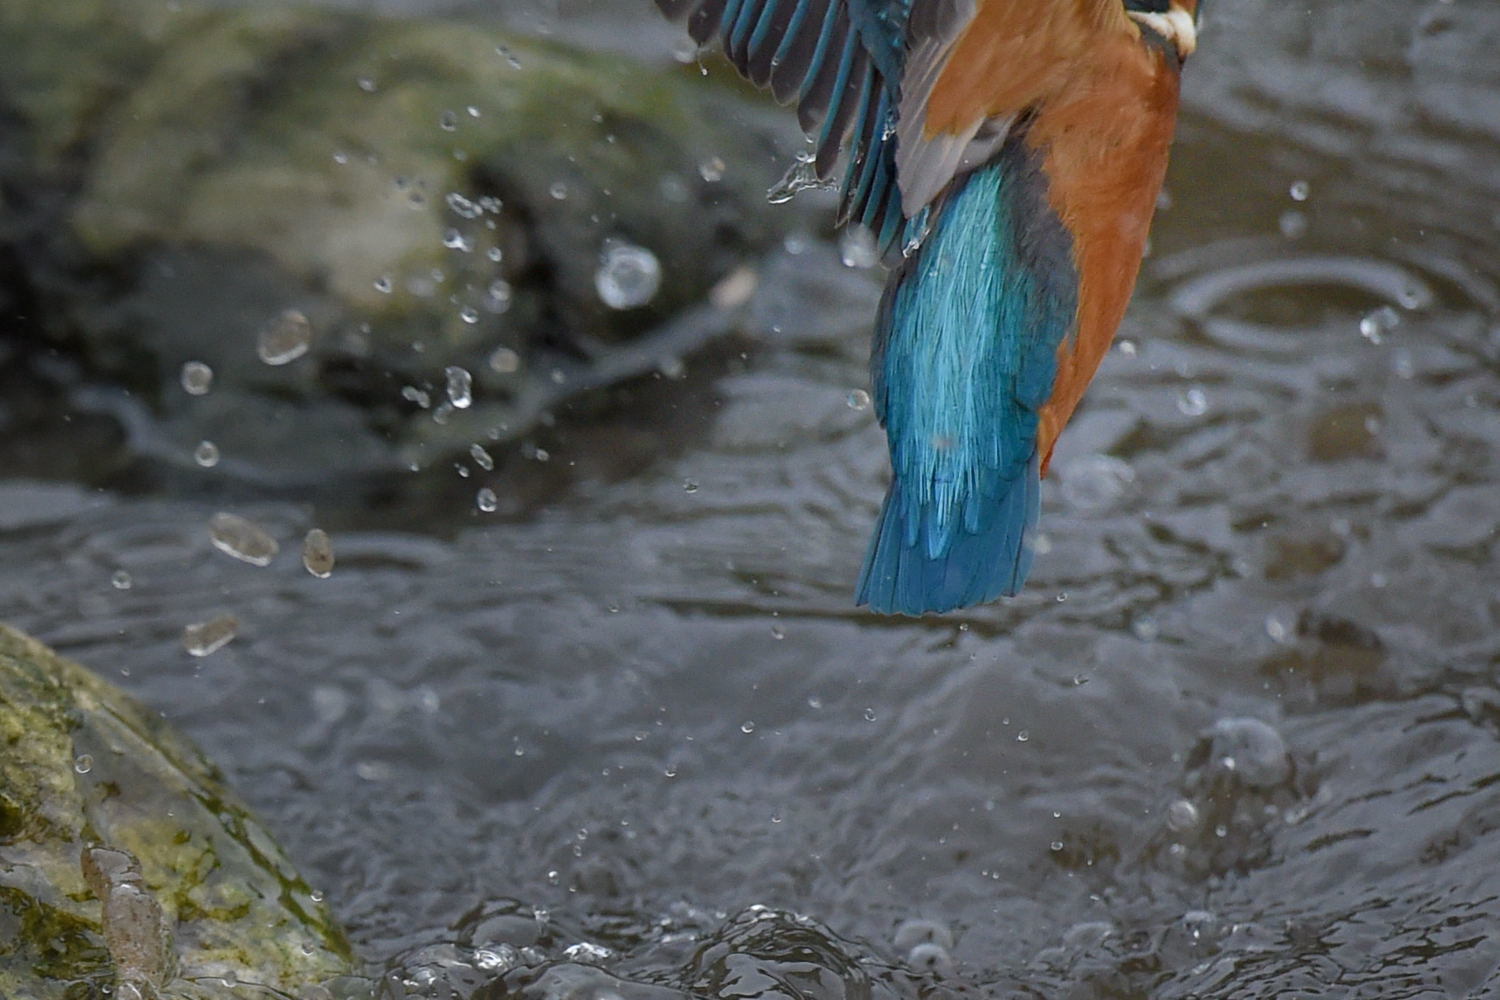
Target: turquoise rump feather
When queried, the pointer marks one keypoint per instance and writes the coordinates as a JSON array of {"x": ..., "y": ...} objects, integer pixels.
[{"x": 965, "y": 357}]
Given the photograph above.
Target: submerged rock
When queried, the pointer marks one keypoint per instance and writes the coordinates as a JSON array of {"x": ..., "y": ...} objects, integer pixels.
[
  {"x": 335, "y": 212},
  {"x": 127, "y": 865}
]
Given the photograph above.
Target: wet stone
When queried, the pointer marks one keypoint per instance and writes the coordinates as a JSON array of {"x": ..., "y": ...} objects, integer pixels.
[
  {"x": 141, "y": 874},
  {"x": 211, "y": 204}
]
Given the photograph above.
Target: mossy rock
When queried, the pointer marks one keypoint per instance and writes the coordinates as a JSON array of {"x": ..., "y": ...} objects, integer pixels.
[
  {"x": 125, "y": 863},
  {"x": 424, "y": 192}
]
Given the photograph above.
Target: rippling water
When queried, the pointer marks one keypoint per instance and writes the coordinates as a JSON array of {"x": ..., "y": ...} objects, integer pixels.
[{"x": 627, "y": 736}]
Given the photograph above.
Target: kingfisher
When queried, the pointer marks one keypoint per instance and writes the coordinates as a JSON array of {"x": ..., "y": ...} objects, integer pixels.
[{"x": 1007, "y": 155}]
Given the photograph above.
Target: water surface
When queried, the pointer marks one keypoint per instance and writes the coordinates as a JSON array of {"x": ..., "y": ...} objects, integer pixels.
[{"x": 1237, "y": 739}]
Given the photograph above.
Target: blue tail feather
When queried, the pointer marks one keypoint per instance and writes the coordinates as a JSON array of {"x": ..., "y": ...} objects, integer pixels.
[
  {"x": 965, "y": 356},
  {"x": 990, "y": 558}
]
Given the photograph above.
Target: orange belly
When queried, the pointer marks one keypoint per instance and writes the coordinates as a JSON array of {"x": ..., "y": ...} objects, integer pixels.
[{"x": 1104, "y": 138}]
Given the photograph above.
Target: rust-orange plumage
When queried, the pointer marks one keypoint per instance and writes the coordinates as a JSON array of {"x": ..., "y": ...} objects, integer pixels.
[{"x": 1013, "y": 151}]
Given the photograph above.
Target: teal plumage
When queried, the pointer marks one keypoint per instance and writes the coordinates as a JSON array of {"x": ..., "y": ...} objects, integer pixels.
[{"x": 965, "y": 356}]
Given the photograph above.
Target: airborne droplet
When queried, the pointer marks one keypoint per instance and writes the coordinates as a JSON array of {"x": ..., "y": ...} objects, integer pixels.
[
  {"x": 285, "y": 339},
  {"x": 197, "y": 378},
  {"x": 460, "y": 386},
  {"x": 857, "y": 247},
  {"x": 1193, "y": 402},
  {"x": 242, "y": 538},
  {"x": 203, "y": 638},
  {"x": 628, "y": 275},
  {"x": 317, "y": 553}
]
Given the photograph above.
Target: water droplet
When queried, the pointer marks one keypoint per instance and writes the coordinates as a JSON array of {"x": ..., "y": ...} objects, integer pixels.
[
  {"x": 383, "y": 284},
  {"x": 285, "y": 339},
  {"x": 1023, "y": 736},
  {"x": 1095, "y": 482},
  {"x": 587, "y": 952},
  {"x": 504, "y": 361},
  {"x": 316, "y": 895},
  {"x": 448, "y": 121},
  {"x": 857, "y": 247},
  {"x": 1299, "y": 190},
  {"x": 858, "y": 399},
  {"x": 1276, "y": 628},
  {"x": 628, "y": 275},
  {"x": 460, "y": 386},
  {"x": 317, "y": 553},
  {"x": 1413, "y": 296},
  {"x": 412, "y": 394},
  {"x": 711, "y": 169},
  {"x": 83, "y": 763},
  {"x": 1373, "y": 326},
  {"x": 367, "y": 84},
  {"x": 747, "y": 727},
  {"x": 1182, "y": 815},
  {"x": 1056, "y": 846},
  {"x": 670, "y": 771},
  {"x": 206, "y": 454},
  {"x": 486, "y": 500},
  {"x": 197, "y": 378},
  {"x": 498, "y": 297},
  {"x": 870, "y": 715},
  {"x": 497, "y": 958},
  {"x": 242, "y": 538},
  {"x": 203, "y": 638},
  {"x": 1193, "y": 402},
  {"x": 932, "y": 958},
  {"x": 461, "y": 207},
  {"x": 455, "y": 240},
  {"x": 690, "y": 486},
  {"x": 558, "y": 191},
  {"x": 1252, "y": 749},
  {"x": 120, "y": 580},
  {"x": 482, "y": 458},
  {"x": 801, "y": 176}
]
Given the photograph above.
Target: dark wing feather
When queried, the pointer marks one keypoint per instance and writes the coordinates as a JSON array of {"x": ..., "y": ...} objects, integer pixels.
[{"x": 840, "y": 62}]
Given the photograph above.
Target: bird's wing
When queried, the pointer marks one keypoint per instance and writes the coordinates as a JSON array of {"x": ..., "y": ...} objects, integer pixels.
[
  {"x": 840, "y": 63},
  {"x": 974, "y": 67}
]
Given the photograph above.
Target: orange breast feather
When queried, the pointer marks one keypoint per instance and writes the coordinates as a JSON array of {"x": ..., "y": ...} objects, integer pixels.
[
  {"x": 1104, "y": 139},
  {"x": 1014, "y": 54}
]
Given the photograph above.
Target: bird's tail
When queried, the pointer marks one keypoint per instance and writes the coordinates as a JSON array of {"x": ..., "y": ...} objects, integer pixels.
[
  {"x": 965, "y": 356},
  {"x": 913, "y": 566}
]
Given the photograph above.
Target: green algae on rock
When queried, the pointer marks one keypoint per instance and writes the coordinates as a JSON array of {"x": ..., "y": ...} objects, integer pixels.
[{"x": 127, "y": 865}]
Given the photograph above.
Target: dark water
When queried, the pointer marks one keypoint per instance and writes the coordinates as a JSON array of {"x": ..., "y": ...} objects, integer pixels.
[{"x": 1237, "y": 739}]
